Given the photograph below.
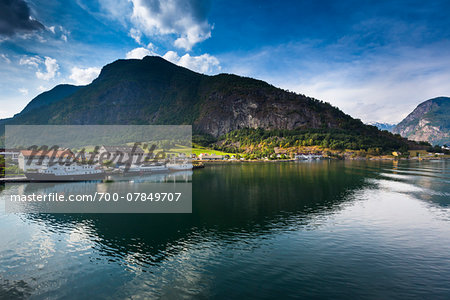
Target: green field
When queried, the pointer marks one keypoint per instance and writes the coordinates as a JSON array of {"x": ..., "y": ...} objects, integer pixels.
[{"x": 197, "y": 150}]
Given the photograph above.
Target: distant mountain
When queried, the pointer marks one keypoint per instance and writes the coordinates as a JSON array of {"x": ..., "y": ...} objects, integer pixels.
[
  {"x": 430, "y": 122},
  {"x": 383, "y": 126},
  {"x": 155, "y": 91}
]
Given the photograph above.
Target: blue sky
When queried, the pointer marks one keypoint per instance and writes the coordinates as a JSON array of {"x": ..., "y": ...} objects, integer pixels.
[{"x": 376, "y": 60}]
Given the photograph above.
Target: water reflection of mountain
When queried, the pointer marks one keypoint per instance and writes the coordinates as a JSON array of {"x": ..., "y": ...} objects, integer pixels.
[
  {"x": 77, "y": 187},
  {"x": 229, "y": 202},
  {"x": 180, "y": 176}
]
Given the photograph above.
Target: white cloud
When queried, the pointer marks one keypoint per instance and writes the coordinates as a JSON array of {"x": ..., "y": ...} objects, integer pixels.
[
  {"x": 5, "y": 58},
  {"x": 204, "y": 63},
  {"x": 50, "y": 66},
  {"x": 42, "y": 89},
  {"x": 139, "y": 53},
  {"x": 84, "y": 76},
  {"x": 136, "y": 35},
  {"x": 23, "y": 91},
  {"x": 151, "y": 47},
  {"x": 59, "y": 31},
  {"x": 51, "y": 69},
  {"x": 194, "y": 35},
  {"x": 184, "y": 19},
  {"x": 33, "y": 61}
]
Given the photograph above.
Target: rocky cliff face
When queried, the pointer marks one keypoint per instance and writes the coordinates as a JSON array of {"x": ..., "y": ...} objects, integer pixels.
[
  {"x": 430, "y": 122},
  {"x": 263, "y": 107}
]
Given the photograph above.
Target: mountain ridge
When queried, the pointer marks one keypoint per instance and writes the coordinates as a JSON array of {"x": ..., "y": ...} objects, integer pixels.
[
  {"x": 57, "y": 93},
  {"x": 155, "y": 91},
  {"x": 199, "y": 100},
  {"x": 429, "y": 121}
]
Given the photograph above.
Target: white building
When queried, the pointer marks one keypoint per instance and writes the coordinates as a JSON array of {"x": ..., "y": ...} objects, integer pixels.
[
  {"x": 205, "y": 156},
  {"x": 29, "y": 159},
  {"x": 10, "y": 153}
]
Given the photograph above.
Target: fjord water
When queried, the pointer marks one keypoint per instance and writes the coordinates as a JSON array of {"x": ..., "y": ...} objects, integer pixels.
[{"x": 330, "y": 229}]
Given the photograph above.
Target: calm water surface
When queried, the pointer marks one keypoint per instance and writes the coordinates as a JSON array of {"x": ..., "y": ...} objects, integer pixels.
[{"x": 335, "y": 230}]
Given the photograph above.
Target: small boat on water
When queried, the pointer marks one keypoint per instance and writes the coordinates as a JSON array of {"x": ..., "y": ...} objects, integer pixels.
[{"x": 73, "y": 172}]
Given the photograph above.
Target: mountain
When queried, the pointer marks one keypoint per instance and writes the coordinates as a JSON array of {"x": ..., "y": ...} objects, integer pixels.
[
  {"x": 383, "y": 126},
  {"x": 430, "y": 122},
  {"x": 155, "y": 91},
  {"x": 46, "y": 98}
]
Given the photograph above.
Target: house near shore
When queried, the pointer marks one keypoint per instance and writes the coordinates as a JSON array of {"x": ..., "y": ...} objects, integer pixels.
[
  {"x": 279, "y": 150},
  {"x": 210, "y": 157},
  {"x": 33, "y": 160},
  {"x": 12, "y": 154}
]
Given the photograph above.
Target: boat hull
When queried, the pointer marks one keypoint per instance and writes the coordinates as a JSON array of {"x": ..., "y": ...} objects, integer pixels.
[
  {"x": 179, "y": 167},
  {"x": 145, "y": 171}
]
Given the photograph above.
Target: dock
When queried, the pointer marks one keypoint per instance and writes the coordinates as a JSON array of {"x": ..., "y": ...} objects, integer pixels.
[{"x": 14, "y": 179}]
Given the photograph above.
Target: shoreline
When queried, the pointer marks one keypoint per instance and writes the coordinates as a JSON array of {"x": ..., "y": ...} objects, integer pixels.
[
  {"x": 202, "y": 163},
  {"x": 325, "y": 158}
]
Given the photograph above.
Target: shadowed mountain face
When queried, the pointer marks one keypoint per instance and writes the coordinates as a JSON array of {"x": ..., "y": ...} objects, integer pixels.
[
  {"x": 56, "y": 94},
  {"x": 154, "y": 91},
  {"x": 429, "y": 122}
]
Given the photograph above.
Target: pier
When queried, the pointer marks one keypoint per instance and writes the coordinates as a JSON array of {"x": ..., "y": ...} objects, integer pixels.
[{"x": 14, "y": 179}]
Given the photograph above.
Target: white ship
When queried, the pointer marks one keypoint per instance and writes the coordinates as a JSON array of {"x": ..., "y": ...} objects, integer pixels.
[
  {"x": 73, "y": 172},
  {"x": 182, "y": 166},
  {"x": 156, "y": 168}
]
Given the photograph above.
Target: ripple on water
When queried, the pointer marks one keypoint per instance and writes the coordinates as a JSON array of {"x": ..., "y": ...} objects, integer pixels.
[{"x": 334, "y": 230}]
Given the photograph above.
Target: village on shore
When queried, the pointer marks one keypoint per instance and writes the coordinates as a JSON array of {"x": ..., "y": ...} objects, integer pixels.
[{"x": 112, "y": 158}]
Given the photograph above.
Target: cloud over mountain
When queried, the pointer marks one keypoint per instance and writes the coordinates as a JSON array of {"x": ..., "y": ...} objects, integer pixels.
[
  {"x": 187, "y": 20},
  {"x": 138, "y": 53},
  {"x": 85, "y": 76},
  {"x": 47, "y": 68},
  {"x": 204, "y": 63}
]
